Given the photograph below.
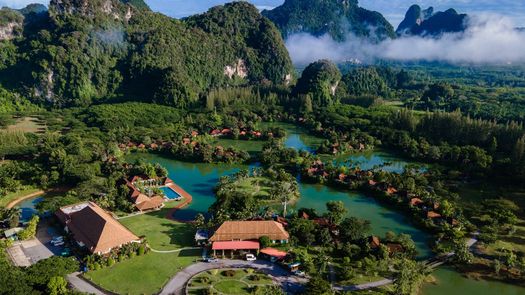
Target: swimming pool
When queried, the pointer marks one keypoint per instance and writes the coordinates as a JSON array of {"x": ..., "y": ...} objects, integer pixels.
[{"x": 170, "y": 194}]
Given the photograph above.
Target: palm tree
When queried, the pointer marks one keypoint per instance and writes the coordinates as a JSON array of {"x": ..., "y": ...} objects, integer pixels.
[
  {"x": 12, "y": 216},
  {"x": 282, "y": 192}
]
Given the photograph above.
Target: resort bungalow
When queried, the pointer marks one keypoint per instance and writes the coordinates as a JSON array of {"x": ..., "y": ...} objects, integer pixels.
[
  {"x": 93, "y": 228},
  {"x": 244, "y": 235},
  {"x": 141, "y": 201},
  {"x": 273, "y": 254}
]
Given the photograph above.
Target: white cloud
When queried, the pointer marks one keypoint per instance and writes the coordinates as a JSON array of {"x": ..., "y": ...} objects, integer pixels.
[{"x": 489, "y": 39}]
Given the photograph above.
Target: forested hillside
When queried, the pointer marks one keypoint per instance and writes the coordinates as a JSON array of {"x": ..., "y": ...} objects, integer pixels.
[
  {"x": 85, "y": 52},
  {"x": 338, "y": 18},
  {"x": 427, "y": 23}
]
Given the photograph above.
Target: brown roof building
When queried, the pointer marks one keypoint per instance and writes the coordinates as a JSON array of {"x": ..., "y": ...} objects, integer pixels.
[
  {"x": 94, "y": 228},
  {"x": 250, "y": 230}
]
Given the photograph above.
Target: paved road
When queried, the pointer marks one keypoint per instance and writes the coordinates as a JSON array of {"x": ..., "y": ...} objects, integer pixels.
[
  {"x": 291, "y": 284},
  {"x": 82, "y": 285}
]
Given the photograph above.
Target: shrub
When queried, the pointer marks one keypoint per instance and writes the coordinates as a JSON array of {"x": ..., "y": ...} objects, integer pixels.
[
  {"x": 265, "y": 242},
  {"x": 110, "y": 261},
  {"x": 255, "y": 278},
  {"x": 228, "y": 273},
  {"x": 141, "y": 250},
  {"x": 30, "y": 231}
]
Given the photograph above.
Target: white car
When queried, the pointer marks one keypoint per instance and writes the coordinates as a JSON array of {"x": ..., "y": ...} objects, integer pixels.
[
  {"x": 57, "y": 239},
  {"x": 250, "y": 257}
]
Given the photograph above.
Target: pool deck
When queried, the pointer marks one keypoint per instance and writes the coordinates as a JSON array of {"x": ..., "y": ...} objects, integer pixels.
[{"x": 187, "y": 199}]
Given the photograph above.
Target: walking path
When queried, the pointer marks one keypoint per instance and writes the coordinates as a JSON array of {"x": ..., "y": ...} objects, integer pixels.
[
  {"x": 22, "y": 198},
  {"x": 82, "y": 285},
  {"x": 291, "y": 284},
  {"x": 187, "y": 199}
]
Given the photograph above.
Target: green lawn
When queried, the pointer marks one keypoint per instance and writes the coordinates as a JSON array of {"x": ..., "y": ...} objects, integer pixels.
[
  {"x": 161, "y": 233},
  {"x": 143, "y": 274},
  {"x": 256, "y": 186},
  {"x": 240, "y": 283},
  {"x": 26, "y": 190},
  {"x": 514, "y": 242}
]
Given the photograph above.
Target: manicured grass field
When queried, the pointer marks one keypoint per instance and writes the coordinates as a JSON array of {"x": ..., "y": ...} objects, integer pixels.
[
  {"x": 160, "y": 232},
  {"x": 256, "y": 186},
  {"x": 143, "y": 274}
]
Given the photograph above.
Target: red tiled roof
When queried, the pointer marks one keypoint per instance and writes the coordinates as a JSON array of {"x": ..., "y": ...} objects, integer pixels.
[
  {"x": 236, "y": 245},
  {"x": 150, "y": 203},
  {"x": 94, "y": 227},
  {"x": 274, "y": 252},
  {"x": 432, "y": 214},
  {"x": 415, "y": 201},
  {"x": 250, "y": 230},
  {"x": 374, "y": 242}
]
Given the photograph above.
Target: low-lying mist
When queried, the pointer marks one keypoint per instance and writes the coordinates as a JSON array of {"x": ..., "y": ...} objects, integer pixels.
[{"x": 489, "y": 39}]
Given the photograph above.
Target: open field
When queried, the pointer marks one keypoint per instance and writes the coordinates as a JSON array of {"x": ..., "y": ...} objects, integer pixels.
[
  {"x": 143, "y": 274},
  {"x": 28, "y": 124},
  {"x": 161, "y": 233},
  {"x": 256, "y": 186},
  {"x": 514, "y": 242}
]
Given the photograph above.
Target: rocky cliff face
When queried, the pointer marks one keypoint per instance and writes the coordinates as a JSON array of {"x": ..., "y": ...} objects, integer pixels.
[
  {"x": 11, "y": 24},
  {"x": 427, "y": 23},
  {"x": 91, "y": 8}
]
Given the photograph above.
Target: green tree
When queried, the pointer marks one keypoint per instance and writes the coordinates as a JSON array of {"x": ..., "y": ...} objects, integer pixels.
[
  {"x": 57, "y": 286},
  {"x": 30, "y": 230},
  {"x": 318, "y": 286},
  {"x": 353, "y": 229},
  {"x": 265, "y": 241},
  {"x": 336, "y": 211}
]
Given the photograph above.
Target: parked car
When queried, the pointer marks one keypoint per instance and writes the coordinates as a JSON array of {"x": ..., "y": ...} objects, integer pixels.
[
  {"x": 211, "y": 259},
  {"x": 250, "y": 257},
  {"x": 58, "y": 243},
  {"x": 57, "y": 239}
]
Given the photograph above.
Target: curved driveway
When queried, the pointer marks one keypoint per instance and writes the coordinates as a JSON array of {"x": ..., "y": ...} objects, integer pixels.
[{"x": 290, "y": 283}]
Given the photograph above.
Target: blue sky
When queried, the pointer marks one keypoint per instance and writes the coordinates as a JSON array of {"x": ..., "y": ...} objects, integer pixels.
[{"x": 393, "y": 10}]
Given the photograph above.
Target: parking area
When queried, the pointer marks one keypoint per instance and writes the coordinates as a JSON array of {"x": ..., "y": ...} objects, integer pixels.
[{"x": 26, "y": 253}]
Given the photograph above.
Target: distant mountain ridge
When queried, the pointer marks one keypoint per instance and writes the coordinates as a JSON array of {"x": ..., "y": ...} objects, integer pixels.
[
  {"x": 338, "y": 18},
  {"x": 427, "y": 23}
]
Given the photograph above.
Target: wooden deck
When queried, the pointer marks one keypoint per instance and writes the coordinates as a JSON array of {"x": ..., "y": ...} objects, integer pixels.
[{"x": 187, "y": 199}]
